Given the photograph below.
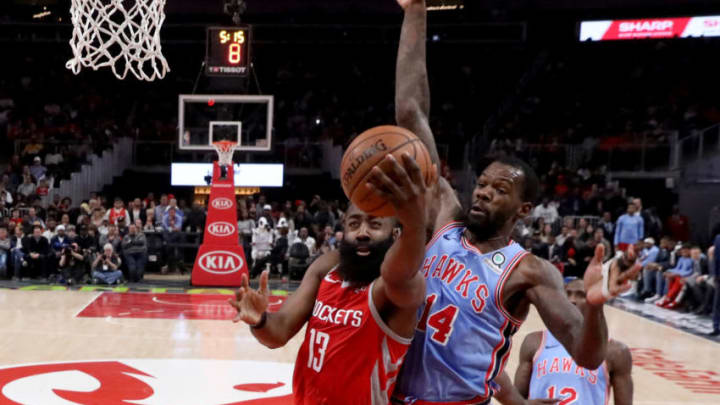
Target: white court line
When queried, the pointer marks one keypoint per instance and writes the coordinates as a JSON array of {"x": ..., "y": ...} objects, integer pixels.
[
  {"x": 193, "y": 304},
  {"x": 97, "y": 294}
]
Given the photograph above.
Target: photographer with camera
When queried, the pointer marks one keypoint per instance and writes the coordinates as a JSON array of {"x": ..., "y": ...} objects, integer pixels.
[
  {"x": 106, "y": 267},
  {"x": 72, "y": 264}
]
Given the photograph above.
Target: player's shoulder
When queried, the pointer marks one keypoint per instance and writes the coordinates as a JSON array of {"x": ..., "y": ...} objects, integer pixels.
[
  {"x": 534, "y": 268},
  {"x": 324, "y": 264}
]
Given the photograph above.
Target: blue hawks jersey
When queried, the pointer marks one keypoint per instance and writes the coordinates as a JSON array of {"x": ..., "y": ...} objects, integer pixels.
[
  {"x": 555, "y": 375},
  {"x": 464, "y": 333}
]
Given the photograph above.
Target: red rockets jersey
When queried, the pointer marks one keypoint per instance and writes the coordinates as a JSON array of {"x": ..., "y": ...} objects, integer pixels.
[{"x": 349, "y": 355}]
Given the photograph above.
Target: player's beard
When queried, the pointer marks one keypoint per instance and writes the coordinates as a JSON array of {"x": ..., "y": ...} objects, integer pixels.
[
  {"x": 358, "y": 269},
  {"x": 484, "y": 227}
]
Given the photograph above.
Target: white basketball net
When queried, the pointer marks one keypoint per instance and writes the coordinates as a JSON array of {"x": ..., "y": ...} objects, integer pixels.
[
  {"x": 121, "y": 34},
  {"x": 225, "y": 152}
]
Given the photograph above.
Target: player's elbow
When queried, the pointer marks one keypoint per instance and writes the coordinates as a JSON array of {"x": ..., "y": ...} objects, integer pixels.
[
  {"x": 590, "y": 358},
  {"x": 407, "y": 111}
]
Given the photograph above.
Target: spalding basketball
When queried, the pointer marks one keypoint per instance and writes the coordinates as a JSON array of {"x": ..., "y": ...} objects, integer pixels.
[{"x": 367, "y": 150}]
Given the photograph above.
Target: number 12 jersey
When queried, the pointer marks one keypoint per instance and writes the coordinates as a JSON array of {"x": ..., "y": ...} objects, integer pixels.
[{"x": 349, "y": 356}]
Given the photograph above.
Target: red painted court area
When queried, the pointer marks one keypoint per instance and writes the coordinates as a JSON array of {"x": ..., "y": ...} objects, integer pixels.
[{"x": 165, "y": 306}]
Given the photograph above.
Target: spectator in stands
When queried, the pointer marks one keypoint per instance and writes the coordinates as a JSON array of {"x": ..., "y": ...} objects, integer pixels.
[
  {"x": 693, "y": 295},
  {"x": 302, "y": 219},
  {"x": 27, "y": 188},
  {"x": 304, "y": 237},
  {"x": 323, "y": 217},
  {"x": 607, "y": 225},
  {"x": 563, "y": 236},
  {"x": 37, "y": 169},
  {"x": 246, "y": 224},
  {"x": 629, "y": 230},
  {"x": 173, "y": 204},
  {"x": 134, "y": 247},
  {"x": 160, "y": 209},
  {"x": 136, "y": 211},
  {"x": 177, "y": 219},
  {"x": 33, "y": 147},
  {"x": 279, "y": 253},
  {"x": 112, "y": 237},
  {"x": 36, "y": 250},
  {"x": 663, "y": 262},
  {"x": 648, "y": 257},
  {"x": 117, "y": 211},
  {"x": 106, "y": 267},
  {"x": 65, "y": 220},
  {"x": 262, "y": 242},
  {"x": 706, "y": 285},
  {"x": 72, "y": 264},
  {"x": 546, "y": 211},
  {"x": 97, "y": 217},
  {"x": 678, "y": 225},
  {"x": 53, "y": 158},
  {"x": 50, "y": 229},
  {"x": 545, "y": 234},
  {"x": 673, "y": 279},
  {"x": 17, "y": 252},
  {"x": 195, "y": 219},
  {"x": 5, "y": 195},
  {"x": 267, "y": 214},
  {"x": 87, "y": 238},
  {"x": 599, "y": 237},
  {"x": 150, "y": 221},
  {"x": 5, "y": 246}
]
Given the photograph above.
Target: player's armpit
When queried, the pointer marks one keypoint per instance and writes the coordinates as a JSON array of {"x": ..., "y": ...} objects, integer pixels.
[
  {"x": 523, "y": 374},
  {"x": 584, "y": 336},
  {"x": 619, "y": 362},
  {"x": 282, "y": 325}
]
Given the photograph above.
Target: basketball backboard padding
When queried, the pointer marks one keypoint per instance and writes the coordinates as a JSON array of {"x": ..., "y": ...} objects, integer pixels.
[{"x": 201, "y": 117}]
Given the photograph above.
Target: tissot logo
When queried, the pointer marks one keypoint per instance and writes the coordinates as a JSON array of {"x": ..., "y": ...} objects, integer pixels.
[
  {"x": 221, "y": 228},
  {"x": 221, "y": 262},
  {"x": 222, "y": 203}
]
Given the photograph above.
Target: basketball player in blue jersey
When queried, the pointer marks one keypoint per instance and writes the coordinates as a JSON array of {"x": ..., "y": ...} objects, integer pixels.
[
  {"x": 480, "y": 283},
  {"x": 546, "y": 369}
]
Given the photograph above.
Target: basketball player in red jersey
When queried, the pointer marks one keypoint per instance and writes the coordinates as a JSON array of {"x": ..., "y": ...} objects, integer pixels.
[{"x": 360, "y": 315}]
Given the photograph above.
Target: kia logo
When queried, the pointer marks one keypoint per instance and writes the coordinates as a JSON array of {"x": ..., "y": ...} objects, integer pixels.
[
  {"x": 221, "y": 229},
  {"x": 220, "y": 262},
  {"x": 222, "y": 203}
]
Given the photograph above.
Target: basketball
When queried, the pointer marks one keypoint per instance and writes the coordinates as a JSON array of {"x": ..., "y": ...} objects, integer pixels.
[{"x": 367, "y": 150}]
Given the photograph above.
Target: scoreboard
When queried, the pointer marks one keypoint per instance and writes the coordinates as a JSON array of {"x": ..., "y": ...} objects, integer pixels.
[{"x": 228, "y": 51}]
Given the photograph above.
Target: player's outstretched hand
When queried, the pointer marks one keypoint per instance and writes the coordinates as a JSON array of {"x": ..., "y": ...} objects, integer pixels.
[
  {"x": 603, "y": 287},
  {"x": 402, "y": 184},
  {"x": 251, "y": 304},
  {"x": 546, "y": 401}
]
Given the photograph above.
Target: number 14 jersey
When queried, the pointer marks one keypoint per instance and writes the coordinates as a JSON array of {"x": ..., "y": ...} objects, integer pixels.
[{"x": 349, "y": 355}]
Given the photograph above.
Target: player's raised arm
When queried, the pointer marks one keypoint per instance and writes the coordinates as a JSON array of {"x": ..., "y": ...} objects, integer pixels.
[
  {"x": 585, "y": 336},
  {"x": 412, "y": 90},
  {"x": 276, "y": 329},
  {"x": 403, "y": 186}
]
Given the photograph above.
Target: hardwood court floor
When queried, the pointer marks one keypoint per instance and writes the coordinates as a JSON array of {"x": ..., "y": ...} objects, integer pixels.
[{"x": 174, "y": 350}]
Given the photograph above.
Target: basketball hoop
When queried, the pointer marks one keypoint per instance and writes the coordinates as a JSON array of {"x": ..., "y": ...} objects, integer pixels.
[
  {"x": 225, "y": 150},
  {"x": 121, "y": 34}
]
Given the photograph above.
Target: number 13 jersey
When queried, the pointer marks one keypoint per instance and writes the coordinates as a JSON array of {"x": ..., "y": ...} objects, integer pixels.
[{"x": 349, "y": 356}]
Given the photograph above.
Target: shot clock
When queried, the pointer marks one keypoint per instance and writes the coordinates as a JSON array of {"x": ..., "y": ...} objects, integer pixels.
[{"x": 228, "y": 51}]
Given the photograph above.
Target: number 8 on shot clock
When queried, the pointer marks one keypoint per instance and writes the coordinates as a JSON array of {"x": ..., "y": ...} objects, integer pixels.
[{"x": 228, "y": 51}]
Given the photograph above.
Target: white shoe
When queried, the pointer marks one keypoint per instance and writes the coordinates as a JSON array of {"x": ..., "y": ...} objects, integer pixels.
[{"x": 652, "y": 299}]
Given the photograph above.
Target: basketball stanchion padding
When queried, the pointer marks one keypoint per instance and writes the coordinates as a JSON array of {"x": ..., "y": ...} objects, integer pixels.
[{"x": 221, "y": 260}]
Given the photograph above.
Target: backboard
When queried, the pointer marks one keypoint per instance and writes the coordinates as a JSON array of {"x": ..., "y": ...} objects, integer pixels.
[{"x": 207, "y": 118}]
